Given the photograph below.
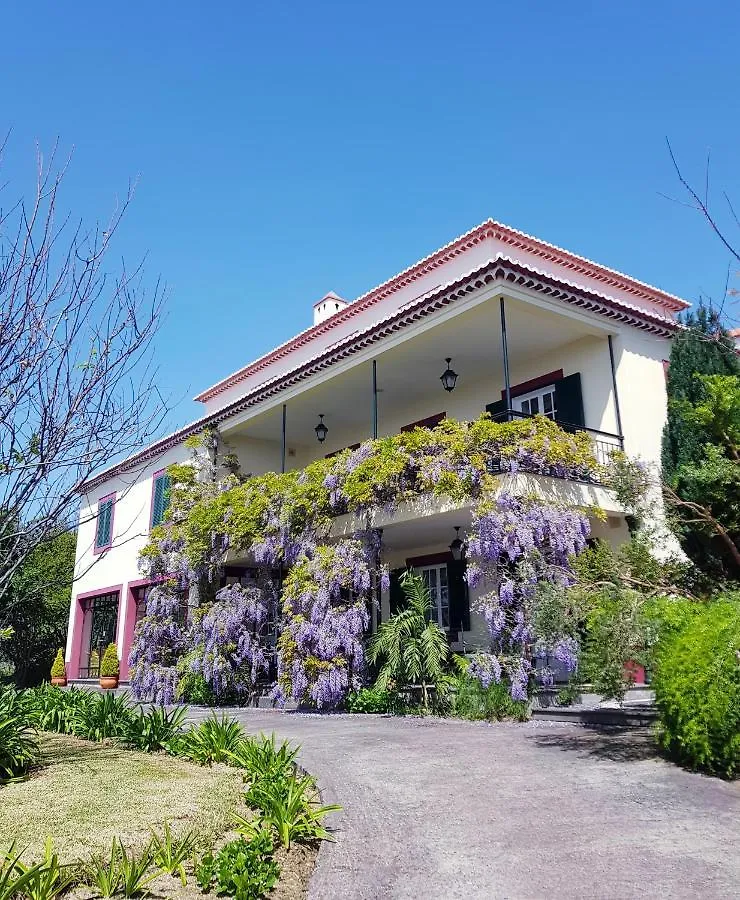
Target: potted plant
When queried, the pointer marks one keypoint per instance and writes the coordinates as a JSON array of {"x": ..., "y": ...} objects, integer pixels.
[
  {"x": 109, "y": 668},
  {"x": 59, "y": 670}
]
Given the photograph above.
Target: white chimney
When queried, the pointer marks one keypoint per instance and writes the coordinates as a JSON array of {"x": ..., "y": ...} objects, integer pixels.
[{"x": 328, "y": 305}]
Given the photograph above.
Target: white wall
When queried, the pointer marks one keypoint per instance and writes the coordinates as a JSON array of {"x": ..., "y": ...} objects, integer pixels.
[{"x": 131, "y": 518}]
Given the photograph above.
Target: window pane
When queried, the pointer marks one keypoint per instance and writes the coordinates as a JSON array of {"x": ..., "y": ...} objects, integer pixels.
[
  {"x": 534, "y": 405},
  {"x": 525, "y": 406}
]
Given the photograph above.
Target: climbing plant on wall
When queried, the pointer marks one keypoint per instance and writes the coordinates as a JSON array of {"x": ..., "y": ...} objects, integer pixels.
[{"x": 283, "y": 524}]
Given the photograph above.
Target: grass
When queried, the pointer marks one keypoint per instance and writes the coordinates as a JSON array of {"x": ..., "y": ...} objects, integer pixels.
[{"x": 84, "y": 794}]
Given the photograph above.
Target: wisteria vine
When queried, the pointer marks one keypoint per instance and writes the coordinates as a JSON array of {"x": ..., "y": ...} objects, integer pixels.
[{"x": 281, "y": 524}]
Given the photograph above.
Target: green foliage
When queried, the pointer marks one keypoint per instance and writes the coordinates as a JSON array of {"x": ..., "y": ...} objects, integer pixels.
[
  {"x": 701, "y": 443},
  {"x": 102, "y": 716},
  {"x": 212, "y": 741},
  {"x": 36, "y": 606},
  {"x": 375, "y": 700},
  {"x": 244, "y": 870},
  {"x": 109, "y": 666},
  {"x": 46, "y": 880},
  {"x": 703, "y": 349},
  {"x": 697, "y": 687},
  {"x": 169, "y": 853},
  {"x": 473, "y": 701},
  {"x": 287, "y": 807},
  {"x": 55, "y": 709},
  {"x": 263, "y": 758},
  {"x": 119, "y": 872},
  {"x": 413, "y": 650},
  {"x": 19, "y": 749},
  {"x": 14, "y": 879},
  {"x": 58, "y": 669},
  {"x": 155, "y": 729},
  {"x": 616, "y": 596}
]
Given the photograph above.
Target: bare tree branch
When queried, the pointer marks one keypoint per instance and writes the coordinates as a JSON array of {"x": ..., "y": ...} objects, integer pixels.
[{"x": 78, "y": 386}]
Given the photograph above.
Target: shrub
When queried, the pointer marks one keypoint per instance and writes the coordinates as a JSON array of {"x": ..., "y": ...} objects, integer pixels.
[
  {"x": 474, "y": 701},
  {"x": 287, "y": 807},
  {"x": 109, "y": 667},
  {"x": 697, "y": 687},
  {"x": 154, "y": 730},
  {"x": 374, "y": 700},
  {"x": 55, "y": 709},
  {"x": 103, "y": 716},
  {"x": 244, "y": 870},
  {"x": 262, "y": 758},
  {"x": 212, "y": 741},
  {"x": 19, "y": 749},
  {"x": 58, "y": 669}
]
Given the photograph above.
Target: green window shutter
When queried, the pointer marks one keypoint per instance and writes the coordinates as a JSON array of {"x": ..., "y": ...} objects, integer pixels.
[
  {"x": 105, "y": 522},
  {"x": 569, "y": 400},
  {"x": 396, "y": 596},
  {"x": 459, "y": 596},
  {"x": 497, "y": 410},
  {"x": 161, "y": 498}
]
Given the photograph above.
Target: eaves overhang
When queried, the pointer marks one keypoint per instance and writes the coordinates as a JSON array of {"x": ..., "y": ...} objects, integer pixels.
[
  {"x": 517, "y": 240},
  {"x": 501, "y": 271}
]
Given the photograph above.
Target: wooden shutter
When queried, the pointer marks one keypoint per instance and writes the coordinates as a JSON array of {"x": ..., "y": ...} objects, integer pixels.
[
  {"x": 396, "y": 595},
  {"x": 161, "y": 498},
  {"x": 569, "y": 400},
  {"x": 459, "y": 596},
  {"x": 497, "y": 410},
  {"x": 105, "y": 516}
]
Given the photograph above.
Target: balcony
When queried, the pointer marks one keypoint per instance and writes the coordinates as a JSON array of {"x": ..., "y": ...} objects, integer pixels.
[{"x": 544, "y": 361}]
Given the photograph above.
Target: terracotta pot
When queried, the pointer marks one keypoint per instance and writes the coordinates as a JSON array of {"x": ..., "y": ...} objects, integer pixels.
[
  {"x": 108, "y": 682},
  {"x": 59, "y": 682}
]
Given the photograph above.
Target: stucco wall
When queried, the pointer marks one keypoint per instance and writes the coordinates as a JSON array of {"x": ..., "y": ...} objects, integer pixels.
[{"x": 119, "y": 565}]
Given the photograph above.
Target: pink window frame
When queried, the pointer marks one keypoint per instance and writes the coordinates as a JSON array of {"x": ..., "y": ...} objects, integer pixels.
[
  {"x": 155, "y": 476},
  {"x": 73, "y": 669},
  {"x": 99, "y": 549},
  {"x": 127, "y": 613}
]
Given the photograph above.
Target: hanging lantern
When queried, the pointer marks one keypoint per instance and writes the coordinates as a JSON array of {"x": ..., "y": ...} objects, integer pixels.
[
  {"x": 321, "y": 430},
  {"x": 457, "y": 546},
  {"x": 448, "y": 377}
]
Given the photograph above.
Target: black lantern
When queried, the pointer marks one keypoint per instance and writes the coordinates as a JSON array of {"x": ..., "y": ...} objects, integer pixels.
[
  {"x": 448, "y": 377},
  {"x": 456, "y": 547},
  {"x": 321, "y": 430}
]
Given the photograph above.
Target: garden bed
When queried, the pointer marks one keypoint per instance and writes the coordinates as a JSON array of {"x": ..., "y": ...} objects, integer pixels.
[{"x": 85, "y": 794}]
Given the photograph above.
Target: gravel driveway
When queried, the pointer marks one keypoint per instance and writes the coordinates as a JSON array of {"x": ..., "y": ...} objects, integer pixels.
[{"x": 444, "y": 809}]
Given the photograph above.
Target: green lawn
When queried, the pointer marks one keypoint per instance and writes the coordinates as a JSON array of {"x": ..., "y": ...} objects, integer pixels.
[{"x": 85, "y": 794}]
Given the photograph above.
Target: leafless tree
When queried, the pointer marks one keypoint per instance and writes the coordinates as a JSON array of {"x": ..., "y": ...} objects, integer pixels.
[
  {"x": 700, "y": 200},
  {"x": 77, "y": 382}
]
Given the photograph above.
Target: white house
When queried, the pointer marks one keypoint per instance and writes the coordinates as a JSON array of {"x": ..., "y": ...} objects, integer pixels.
[{"x": 527, "y": 327}]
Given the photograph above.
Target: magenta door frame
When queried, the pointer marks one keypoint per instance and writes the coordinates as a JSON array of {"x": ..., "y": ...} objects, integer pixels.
[
  {"x": 128, "y": 612},
  {"x": 73, "y": 669}
]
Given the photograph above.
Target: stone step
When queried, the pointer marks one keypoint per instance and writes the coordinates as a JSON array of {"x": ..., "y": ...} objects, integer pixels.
[{"x": 632, "y": 716}]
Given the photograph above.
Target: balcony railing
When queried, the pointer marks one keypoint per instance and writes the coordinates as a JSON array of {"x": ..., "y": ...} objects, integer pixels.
[{"x": 604, "y": 442}]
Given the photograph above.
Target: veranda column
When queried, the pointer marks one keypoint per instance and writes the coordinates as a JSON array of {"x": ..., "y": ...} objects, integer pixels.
[
  {"x": 375, "y": 400},
  {"x": 505, "y": 348},
  {"x": 282, "y": 442}
]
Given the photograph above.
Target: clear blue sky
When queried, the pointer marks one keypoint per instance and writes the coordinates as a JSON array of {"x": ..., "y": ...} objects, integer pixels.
[{"x": 287, "y": 149}]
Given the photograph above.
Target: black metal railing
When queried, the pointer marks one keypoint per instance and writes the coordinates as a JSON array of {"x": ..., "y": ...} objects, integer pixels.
[{"x": 604, "y": 443}]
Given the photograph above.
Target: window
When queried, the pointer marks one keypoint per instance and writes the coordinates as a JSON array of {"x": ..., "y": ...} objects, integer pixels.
[
  {"x": 100, "y": 617},
  {"x": 141, "y": 597},
  {"x": 160, "y": 496},
  {"x": 437, "y": 581},
  {"x": 104, "y": 524},
  {"x": 539, "y": 402}
]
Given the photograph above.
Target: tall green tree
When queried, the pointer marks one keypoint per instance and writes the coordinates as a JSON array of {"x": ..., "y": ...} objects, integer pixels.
[
  {"x": 704, "y": 348},
  {"x": 37, "y": 608},
  {"x": 701, "y": 468}
]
